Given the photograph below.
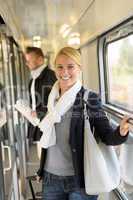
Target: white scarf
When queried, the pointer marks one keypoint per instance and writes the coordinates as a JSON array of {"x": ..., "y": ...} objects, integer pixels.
[
  {"x": 35, "y": 74},
  {"x": 56, "y": 109}
]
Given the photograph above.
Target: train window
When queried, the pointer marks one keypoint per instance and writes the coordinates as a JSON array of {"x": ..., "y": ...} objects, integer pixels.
[
  {"x": 117, "y": 67},
  {"x": 119, "y": 64}
]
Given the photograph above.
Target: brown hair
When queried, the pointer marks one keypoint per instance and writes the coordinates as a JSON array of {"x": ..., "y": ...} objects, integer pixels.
[{"x": 35, "y": 50}]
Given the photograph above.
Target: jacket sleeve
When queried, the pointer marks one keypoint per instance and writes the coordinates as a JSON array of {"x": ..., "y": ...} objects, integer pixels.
[
  {"x": 29, "y": 90},
  {"x": 100, "y": 122}
]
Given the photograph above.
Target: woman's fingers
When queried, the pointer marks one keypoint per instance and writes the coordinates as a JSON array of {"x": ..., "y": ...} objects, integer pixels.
[
  {"x": 124, "y": 126},
  {"x": 38, "y": 179}
]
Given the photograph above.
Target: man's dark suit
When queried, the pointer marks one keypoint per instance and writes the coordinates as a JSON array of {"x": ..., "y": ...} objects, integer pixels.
[{"x": 43, "y": 85}]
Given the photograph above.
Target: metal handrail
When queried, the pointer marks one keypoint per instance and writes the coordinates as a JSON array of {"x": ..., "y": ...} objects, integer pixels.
[
  {"x": 120, "y": 194},
  {"x": 117, "y": 113}
]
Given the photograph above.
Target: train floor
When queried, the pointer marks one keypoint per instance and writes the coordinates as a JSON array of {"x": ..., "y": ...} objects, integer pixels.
[{"x": 32, "y": 167}]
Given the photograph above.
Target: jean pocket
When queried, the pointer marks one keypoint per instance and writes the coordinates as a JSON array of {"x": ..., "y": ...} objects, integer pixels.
[{"x": 46, "y": 179}]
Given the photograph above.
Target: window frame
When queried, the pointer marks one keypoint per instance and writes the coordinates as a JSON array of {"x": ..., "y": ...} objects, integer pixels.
[{"x": 103, "y": 43}]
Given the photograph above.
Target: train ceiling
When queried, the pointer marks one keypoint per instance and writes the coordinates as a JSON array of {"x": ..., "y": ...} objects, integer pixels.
[{"x": 44, "y": 18}]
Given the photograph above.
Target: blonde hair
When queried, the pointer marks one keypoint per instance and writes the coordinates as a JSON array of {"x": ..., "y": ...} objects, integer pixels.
[{"x": 71, "y": 53}]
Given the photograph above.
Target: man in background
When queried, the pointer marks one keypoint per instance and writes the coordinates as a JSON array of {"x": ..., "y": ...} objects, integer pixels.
[{"x": 40, "y": 86}]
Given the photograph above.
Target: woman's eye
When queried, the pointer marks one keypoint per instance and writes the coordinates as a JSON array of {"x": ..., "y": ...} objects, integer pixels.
[
  {"x": 70, "y": 67},
  {"x": 59, "y": 67}
]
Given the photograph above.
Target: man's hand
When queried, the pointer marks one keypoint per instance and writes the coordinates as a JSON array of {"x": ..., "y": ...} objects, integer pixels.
[{"x": 34, "y": 114}]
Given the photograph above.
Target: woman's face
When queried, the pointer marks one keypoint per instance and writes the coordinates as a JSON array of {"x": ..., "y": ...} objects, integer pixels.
[{"x": 67, "y": 71}]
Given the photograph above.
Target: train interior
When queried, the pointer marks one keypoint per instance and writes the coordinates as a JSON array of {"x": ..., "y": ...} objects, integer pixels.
[{"x": 103, "y": 31}]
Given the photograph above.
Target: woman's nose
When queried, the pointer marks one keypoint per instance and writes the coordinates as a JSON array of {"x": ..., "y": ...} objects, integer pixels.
[{"x": 65, "y": 71}]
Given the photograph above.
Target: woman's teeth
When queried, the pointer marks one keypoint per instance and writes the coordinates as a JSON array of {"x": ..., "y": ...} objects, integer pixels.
[{"x": 65, "y": 78}]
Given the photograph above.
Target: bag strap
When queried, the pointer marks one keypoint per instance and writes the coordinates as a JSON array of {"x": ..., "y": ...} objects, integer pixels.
[
  {"x": 86, "y": 94},
  {"x": 85, "y": 102},
  {"x": 86, "y": 115}
]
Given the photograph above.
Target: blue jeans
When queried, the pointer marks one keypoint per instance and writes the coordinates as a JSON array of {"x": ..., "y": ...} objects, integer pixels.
[{"x": 63, "y": 188}]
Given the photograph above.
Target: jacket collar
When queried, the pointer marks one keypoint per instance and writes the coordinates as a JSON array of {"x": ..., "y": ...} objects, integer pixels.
[
  {"x": 77, "y": 117},
  {"x": 43, "y": 73},
  {"x": 78, "y": 104}
]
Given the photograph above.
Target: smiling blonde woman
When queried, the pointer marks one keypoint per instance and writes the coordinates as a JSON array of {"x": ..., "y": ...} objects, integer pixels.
[{"x": 62, "y": 142}]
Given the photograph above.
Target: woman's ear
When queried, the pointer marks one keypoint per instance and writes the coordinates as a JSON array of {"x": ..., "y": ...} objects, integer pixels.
[{"x": 80, "y": 66}]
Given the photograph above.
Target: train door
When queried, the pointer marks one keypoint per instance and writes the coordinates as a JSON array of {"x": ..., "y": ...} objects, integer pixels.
[
  {"x": 19, "y": 123},
  {"x": 2, "y": 187},
  {"x": 14, "y": 142}
]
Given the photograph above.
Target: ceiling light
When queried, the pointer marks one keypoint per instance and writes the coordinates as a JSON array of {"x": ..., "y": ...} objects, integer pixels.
[
  {"x": 74, "y": 39},
  {"x": 36, "y": 37},
  {"x": 65, "y": 30},
  {"x": 37, "y": 41}
]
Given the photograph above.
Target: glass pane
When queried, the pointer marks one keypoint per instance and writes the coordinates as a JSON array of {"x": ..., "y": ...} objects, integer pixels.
[{"x": 120, "y": 72}]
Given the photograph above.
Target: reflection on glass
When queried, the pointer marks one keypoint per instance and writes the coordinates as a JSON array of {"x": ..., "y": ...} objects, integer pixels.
[{"x": 120, "y": 72}]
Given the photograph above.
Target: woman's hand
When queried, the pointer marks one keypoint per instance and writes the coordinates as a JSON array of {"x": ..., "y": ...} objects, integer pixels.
[
  {"x": 124, "y": 126},
  {"x": 38, "y": 179}
]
